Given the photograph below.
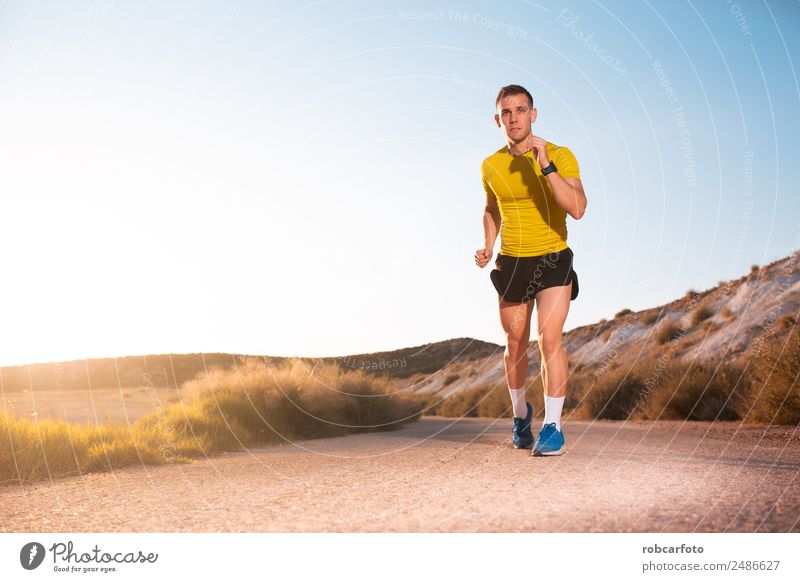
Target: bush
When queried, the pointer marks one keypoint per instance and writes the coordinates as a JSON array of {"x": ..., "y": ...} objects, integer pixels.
[
  {"x": 650, "y": 318},
  {"x": 623, "y": 312},
  {"x": 463, "y": 403},
  {"x": 450, "y": 379},
  {"x": 666, "y": 332},
  {"x": 775, "y": 391},
  {"x": 694, "y": 393},
  {"x": 225, "y": 410},
  {"x": 496, "y": 403},
  {"x": 669, "y": 392},
  {"x": 491, "y": 401},
  {"x": 44, "y": 449},
  {"x": 702, "y": 313},
  {"x": 427, "y": 402},
  {"x": 708, "y": 326},
  {"x": 613, "y": 395}
]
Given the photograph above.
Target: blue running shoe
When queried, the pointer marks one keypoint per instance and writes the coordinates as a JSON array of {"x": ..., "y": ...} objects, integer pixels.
[
  {"x": 522, "y": 435},
  {"x": 550, "y": 441}
]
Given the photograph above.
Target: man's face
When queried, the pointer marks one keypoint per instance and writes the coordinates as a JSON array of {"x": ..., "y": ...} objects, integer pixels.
[{"x": 515, "y": 116}]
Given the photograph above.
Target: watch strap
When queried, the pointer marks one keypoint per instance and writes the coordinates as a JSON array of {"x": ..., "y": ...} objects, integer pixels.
[{"x": 550, "y": 168}]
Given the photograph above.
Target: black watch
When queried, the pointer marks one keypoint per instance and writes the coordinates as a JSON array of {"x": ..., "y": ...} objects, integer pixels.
[{"x": 550, "y": 168}]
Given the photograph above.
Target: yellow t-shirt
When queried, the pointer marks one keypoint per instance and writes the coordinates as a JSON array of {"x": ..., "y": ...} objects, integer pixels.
[{"x": 532, "y": 222}]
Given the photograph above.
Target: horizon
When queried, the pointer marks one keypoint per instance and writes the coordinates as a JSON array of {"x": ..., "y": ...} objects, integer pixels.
[
  {"x": 336, "y": 356},
  {"x": 294, "y": 181}
]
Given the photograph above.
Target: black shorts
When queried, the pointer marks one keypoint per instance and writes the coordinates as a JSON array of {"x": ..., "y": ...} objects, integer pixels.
[{"x": 516, "y": 278}]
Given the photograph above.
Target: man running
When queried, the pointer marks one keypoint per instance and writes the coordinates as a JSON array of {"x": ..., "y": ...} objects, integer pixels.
[{"x": 531, "y": 185}]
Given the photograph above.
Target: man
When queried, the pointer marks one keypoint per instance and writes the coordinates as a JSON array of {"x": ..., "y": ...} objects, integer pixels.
[{"x": 531, "y": 185}]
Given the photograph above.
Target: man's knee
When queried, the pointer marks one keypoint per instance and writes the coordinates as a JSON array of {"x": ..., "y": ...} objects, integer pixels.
[
  {"x": 549, "y": 344},
  {"x": 516, "y": 347}
]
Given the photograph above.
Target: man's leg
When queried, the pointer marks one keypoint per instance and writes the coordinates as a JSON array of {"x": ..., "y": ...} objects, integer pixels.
[
  {"x": 516, "y": 321},
  {"x": 552, "y": 306}
]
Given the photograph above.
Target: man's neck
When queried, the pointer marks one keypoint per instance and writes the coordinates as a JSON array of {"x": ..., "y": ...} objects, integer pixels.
[{"x": 516, "y": 148}]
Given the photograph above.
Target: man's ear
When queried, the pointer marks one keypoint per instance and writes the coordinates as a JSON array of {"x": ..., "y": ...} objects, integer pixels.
[
  {"x": 533, "y": 114},
  {"x": 497, "y": 119}
]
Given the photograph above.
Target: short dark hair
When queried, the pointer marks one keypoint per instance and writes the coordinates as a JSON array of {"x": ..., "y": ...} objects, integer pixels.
[{"x": 513, "y": 90}]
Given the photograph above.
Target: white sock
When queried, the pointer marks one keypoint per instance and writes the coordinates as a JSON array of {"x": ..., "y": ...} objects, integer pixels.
[
  {"x": 552, "y": 410},
  {"x": 518, "y": 401}
]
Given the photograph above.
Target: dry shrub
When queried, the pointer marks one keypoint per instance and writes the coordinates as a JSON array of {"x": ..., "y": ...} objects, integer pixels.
[
  {"x": 650, "y": 318},
  {"x": 694, "y": 393},
  {"x": 702, "y": 313},
  {"x": 450, "y": 379},
  {"x": 666, "y": 331},
  {"x": 612, "y": 396},
  {"x": 43, "y": 449},
  {"x": 489, "y": 401},
  {"x": 296, "y": 399},
  {"x": 774, "y": 395},
  {"x": 496, "y": 402},
  {"x": 224, "y": 410}
]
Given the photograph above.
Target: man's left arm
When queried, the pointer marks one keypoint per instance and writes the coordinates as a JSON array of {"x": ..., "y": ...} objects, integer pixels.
[
  {"x": 568, "y": 193},
  {"x": 567, "y": 189}
]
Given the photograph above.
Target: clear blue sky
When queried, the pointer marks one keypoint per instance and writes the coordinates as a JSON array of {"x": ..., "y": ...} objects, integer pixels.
[{"x": 303, "y": 178}]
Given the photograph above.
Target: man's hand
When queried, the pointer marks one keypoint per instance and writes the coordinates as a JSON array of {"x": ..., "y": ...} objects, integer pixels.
[
  {"x": 539, "y": 147},
  {"x": 482, "y": 257}
]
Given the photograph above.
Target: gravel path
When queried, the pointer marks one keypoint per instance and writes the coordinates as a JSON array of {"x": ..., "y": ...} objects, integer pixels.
[{"x": 447, "y": 475}]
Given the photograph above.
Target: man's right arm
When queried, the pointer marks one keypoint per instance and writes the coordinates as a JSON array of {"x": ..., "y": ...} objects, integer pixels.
[
  {"x": 491, "y": 214},
  {"x": 491, "y": 221}
]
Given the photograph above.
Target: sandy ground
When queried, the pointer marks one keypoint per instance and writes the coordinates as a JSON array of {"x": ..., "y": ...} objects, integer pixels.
[{"x": 447, "y": 475}]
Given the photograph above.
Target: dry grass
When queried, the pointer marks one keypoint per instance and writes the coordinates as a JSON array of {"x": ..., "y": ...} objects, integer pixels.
[
  {"x": 486, "y": 400},
  {"x": 775, "y": 390},
  {"x": 662, "y": 389},
  {"x": 450, "y": 379},
  {"x": 667, "y": 392},
  {"x": 695, "y": 393},
  {"x": 702, "y": 313},
  {"x": 650, "y": 318},
  {"x": 708, "y": 326},
  {"x": 611, "y": 395},
  {"x": 51, "y": 448},
  {"x": 227, "y": 410},
  {"x": 666, "y": 332}
]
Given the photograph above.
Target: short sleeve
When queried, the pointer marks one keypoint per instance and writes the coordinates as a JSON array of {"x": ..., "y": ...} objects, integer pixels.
[
  {"x": 566, "y": 163},
  {"x": 491, "y": 197}
]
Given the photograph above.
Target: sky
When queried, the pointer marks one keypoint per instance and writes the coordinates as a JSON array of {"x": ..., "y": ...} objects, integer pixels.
[{"x": 303, "y": 178}]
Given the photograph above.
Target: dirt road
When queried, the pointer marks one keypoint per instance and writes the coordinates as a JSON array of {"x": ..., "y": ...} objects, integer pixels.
[{"x": 447, "y": 475}]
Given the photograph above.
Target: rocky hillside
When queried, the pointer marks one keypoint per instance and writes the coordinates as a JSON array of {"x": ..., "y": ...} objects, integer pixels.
[{"x": 728, "y": 322}]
